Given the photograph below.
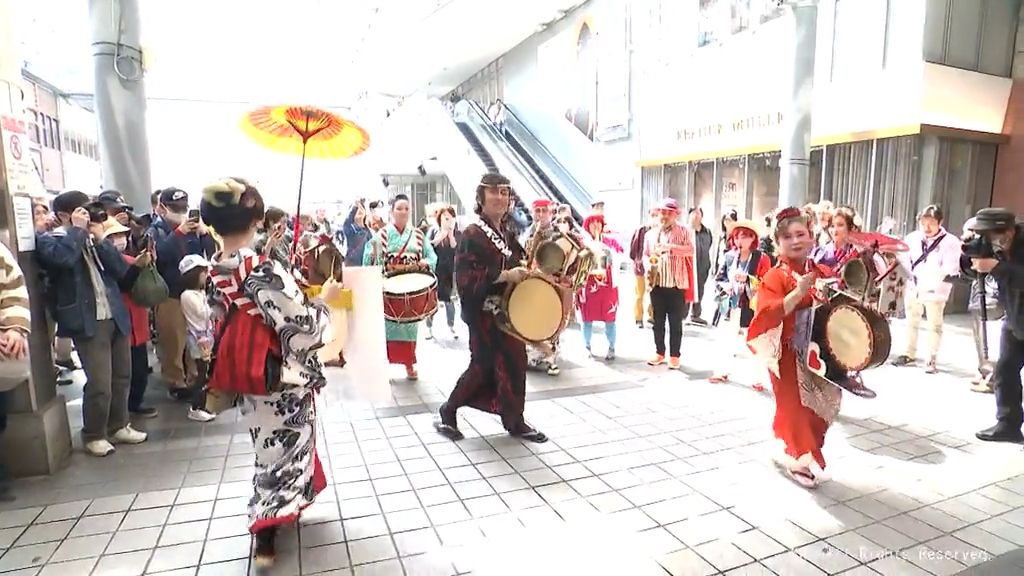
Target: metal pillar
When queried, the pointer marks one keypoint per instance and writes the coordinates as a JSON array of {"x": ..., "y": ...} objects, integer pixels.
[
  {"x": 796, "y": 149},
  {"x": 121, "y": 99},
  {"x": 37, "y": 440}
]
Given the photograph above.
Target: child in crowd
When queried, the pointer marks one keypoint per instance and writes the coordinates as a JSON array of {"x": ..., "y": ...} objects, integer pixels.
[
  {"x": 117, "y": 234},
  {"x": 198, "y": 330}
]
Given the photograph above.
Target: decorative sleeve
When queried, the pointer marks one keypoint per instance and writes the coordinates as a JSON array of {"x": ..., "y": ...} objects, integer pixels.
[
  {"x": 764, "y": 337},
  {"x": 477, "y": 268},
  {"x": 300, "y": 325},
  {"x": 429, "y": 254},
  {"x": 373, "y": 253},
  {"x": 14, "y": 309}
]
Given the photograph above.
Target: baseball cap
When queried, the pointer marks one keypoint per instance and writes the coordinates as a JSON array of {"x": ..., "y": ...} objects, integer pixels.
[
  {"x": 993, "y": 219},
  {"x": 174, "y": 197},
  {"x": 68, "y": 202},
  {"x": 192, "y": 261},
  {"x": 113, "y": 199}
]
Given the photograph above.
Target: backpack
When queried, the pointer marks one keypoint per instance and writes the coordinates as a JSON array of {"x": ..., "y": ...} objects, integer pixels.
[{"x": 252, "y": 354}]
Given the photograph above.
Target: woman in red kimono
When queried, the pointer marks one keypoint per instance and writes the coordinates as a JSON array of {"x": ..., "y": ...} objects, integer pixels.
[
  {"x": 487, "y": 261},
  {"x": 598, "y": 299},
  {"x": 780, "y": 335}
]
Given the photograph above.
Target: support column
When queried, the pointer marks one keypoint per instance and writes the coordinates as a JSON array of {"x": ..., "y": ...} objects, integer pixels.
[
  {"x": 37, "y": 440},
  {"x": 796, "y": 148},
  {"x": 120, "y": 99}
]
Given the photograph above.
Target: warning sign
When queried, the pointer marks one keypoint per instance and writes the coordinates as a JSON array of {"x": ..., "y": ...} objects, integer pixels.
[
  {"x": 23, "y": 181},
  {"x": 22, "y": 177}
]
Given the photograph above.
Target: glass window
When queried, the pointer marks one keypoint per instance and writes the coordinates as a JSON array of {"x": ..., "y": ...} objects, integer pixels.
[
  {"x": 714, "y": 21},
  {"x": 739, "y": 16},
  {"x": 55, "y": 136}
]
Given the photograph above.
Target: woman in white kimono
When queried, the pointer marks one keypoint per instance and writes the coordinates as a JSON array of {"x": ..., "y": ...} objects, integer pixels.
[
  {"x": 267, "y": 341},
  {"x": 397, "y": 246}
]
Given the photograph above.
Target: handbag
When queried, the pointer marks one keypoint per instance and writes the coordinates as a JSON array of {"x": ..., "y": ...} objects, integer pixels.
[{"x": 149, "y": 290}]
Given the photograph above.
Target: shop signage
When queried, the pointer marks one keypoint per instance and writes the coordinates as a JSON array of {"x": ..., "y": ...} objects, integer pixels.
[{"x": 737, "y": 126}]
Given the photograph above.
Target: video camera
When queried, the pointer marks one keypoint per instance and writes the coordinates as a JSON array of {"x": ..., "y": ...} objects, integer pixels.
[
  {"x": 978, "y": 246},
  {"x": 97, "y": 212},
  {"x": 986, "y": 224}
]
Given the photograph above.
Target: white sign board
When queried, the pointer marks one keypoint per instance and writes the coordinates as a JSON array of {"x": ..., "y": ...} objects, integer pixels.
[
  {"x": 22, "y": 177},
  {"x": 24, "y": 223}
]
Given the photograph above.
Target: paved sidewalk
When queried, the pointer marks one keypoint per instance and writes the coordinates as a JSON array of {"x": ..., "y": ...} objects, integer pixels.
[{"x": 648, "y": 472}]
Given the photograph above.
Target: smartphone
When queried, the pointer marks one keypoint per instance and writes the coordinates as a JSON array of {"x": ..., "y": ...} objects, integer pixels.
[{"x": 193, "y": 215}]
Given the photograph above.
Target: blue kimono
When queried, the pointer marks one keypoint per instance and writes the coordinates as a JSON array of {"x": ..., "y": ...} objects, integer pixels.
[{"x": 401, "y": 337}]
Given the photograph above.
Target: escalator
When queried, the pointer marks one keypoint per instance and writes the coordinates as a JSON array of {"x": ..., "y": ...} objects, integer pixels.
[
  {"x": 498, "y": 156},
  {"x": 555, "y": 176}
]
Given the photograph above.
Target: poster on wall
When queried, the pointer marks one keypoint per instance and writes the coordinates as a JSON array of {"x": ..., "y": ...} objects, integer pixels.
[{"x": 613, "y": 74}]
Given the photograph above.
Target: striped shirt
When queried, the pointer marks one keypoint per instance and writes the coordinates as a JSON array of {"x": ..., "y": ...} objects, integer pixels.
[{"x": 14, "y": 308}]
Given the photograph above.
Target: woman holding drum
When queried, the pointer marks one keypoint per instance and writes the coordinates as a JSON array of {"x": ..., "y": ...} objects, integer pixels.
[
  {"x": 487, "y": 264},
  {"x": 780, "y": 334},
  {"x": 408, "y": 260},
  {"x": 598, "y": 299}
]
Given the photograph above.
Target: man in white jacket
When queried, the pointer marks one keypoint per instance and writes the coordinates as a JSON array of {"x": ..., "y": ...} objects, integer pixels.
[{"x": 933, "y": 258}]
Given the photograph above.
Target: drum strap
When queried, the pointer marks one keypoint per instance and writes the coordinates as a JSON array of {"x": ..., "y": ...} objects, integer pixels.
[{"x": 498, "y": 242}]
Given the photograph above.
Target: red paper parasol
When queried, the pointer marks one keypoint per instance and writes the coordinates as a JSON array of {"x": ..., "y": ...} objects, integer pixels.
[
  {"x": 308, "y": 131},
  {"x": 878, "y": 242}
]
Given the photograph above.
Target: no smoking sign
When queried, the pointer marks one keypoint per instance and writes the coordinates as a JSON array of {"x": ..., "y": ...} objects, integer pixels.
[{"x": 16, "y": 146}]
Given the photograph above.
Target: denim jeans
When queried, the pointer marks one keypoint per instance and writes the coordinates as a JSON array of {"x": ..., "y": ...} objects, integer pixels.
[
  {"x": 449, "y": 311},
  {"x": 609, "y": 332}
]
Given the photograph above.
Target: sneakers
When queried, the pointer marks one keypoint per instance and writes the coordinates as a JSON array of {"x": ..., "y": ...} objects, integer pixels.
[
  {"x": 903, "y": 360},
  {"x": 553, "y": 370},
  {"x": 128, "y": 435},
  {"x": 931, "y": 367},
  {"x": 200, "y": 415},
  {"x": 144, "y": 412},
  {"x": 674, "y": 364},
  {"x": 610, "y": 355},
  {"x": 99, "y": 448},
  {"x": 658, "y": 360}
]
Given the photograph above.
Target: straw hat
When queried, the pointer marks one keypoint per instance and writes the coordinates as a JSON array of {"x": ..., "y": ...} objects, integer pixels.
[
  {"x": 112, "y": 226},
  {"x": 745, "y": 224}
]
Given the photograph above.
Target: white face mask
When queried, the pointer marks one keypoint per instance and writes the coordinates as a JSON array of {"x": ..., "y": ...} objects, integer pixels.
[{"x": 120, "y": 243}]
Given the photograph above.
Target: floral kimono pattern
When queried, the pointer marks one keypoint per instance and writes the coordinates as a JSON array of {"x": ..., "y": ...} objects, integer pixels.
[
  {"x": 805, "y": 405},
  {"x": 495, "y": 380},
  {"x": 390, "y": 248},
  {"x": 282, "y": 425}
]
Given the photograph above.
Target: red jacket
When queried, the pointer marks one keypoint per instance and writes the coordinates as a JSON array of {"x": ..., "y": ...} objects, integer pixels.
[{"x": 138, "y": 314}]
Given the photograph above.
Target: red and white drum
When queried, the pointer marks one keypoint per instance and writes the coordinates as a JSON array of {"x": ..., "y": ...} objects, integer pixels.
[
  {"x": 854, "y": 336},
  {"x": 409, "y": 296}
]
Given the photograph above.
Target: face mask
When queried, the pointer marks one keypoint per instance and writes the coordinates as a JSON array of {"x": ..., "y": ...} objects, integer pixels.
[
  {"x": 120, "y": 244},
  {"x": 174, "y": 218}
]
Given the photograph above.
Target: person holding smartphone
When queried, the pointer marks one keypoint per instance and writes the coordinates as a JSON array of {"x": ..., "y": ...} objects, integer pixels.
[{"x": 178, "y": 233}]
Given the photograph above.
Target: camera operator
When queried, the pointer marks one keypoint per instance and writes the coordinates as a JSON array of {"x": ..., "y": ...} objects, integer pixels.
[
  {"x": 113, "y": 202},
  {"x": 87, "y": 275},
  {"x": 997, "y": 249}
]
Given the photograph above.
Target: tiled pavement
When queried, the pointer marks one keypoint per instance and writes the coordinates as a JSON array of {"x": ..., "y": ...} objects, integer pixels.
[{"x": 647, "y": 473}]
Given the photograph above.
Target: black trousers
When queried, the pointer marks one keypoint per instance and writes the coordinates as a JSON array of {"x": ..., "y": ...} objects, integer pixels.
[
  {"x": 669, "y": 306},
  {"x": 1006, "y": 381},
  {"x": 198, "y": 387},
  {"x": 140, "y": 376},
  {"x": 694, "y": 309}
]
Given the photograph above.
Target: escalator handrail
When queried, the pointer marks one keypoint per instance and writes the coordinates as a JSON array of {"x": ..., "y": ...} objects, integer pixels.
[
  {"x": 509, "y": 113},
  {"x": 510, "y": 153},
  {"x": 524, "y": 162}
]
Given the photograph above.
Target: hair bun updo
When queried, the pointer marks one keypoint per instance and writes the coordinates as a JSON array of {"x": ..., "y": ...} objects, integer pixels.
[{"x": 231, "y": 206}]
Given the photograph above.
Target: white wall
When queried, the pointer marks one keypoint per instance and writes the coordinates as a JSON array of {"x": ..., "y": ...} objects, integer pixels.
[{"x": 607, "y": 169}]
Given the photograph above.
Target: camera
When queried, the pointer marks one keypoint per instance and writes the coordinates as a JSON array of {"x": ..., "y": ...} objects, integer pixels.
[
  {"x": 97, "y": 212},
  {"x": 978, "y": 246}
]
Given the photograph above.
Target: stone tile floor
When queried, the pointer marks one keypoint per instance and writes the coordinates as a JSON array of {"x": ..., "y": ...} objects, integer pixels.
[{"x": 647, "y": 472}]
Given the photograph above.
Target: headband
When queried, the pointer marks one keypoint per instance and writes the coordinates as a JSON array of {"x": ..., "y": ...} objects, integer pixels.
[{"x": 790, "y": 212}]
